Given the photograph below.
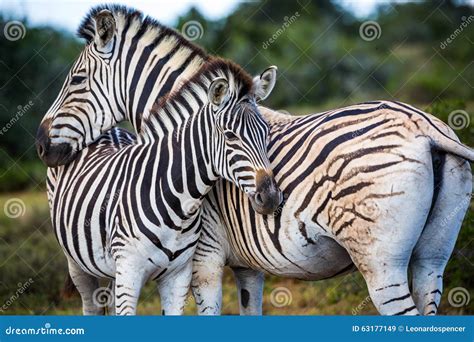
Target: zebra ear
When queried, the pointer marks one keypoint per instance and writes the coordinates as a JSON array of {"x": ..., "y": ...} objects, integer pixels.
[
  {"x": 218, "y": 91},
  {"x": 263, "y": 84},
  {"x": 104, "y": 28}
]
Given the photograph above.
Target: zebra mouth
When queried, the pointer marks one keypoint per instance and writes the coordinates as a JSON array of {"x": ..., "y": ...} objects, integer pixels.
[
  {"x": 52, "y": 154},
  {"x": 56, "y": 155}
]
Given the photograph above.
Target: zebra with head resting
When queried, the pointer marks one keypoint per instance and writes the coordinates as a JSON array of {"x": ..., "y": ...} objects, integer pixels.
[
  {"x": 380, "y": 185},
  {"x": 133, "y": 213}
]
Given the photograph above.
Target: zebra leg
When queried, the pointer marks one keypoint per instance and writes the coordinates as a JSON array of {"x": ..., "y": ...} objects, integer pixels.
[
  {"x": 437, "y": 241},
  {"x": 250, "y": 290},
  {"x": 382, "y": 243},
  {"x": 207, "y": 284},
  {"x": 129, "y": 279},
  {"x": 111, "y": 303},
  {"x": 389, "y": 291},
  {"x": 209, "y": 261},
  {"x": 174, "y": 290},
  {"x": 86, "y": 284}
]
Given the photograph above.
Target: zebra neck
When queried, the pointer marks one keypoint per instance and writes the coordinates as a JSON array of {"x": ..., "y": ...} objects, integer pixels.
[
  {"x": 156, "y": 63},
  {"x": 185, "y": 124}
]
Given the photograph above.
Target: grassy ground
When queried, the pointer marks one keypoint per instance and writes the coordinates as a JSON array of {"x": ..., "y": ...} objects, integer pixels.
[{"x": 32, "y": 263}]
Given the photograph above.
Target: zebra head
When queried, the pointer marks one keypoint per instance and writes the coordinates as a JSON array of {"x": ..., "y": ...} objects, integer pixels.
[
  {"x": 241, "y": 135},
  {"x": 87, "y": 104},
  {"x": 128, "y": 62}
]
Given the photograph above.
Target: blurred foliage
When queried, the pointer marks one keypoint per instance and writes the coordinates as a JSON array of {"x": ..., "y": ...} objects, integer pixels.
[{"x": 323, "y": 63}]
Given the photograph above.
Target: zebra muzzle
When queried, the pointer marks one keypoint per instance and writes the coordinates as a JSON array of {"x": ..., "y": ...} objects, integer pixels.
[
  {"x": 52, "y": 154},
  {"x": 267, "y": 196}
]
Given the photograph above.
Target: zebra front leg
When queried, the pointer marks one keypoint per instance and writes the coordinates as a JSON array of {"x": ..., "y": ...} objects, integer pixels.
[
  {"x": 174, "y": 289},
  {"x": 207, "y": 287},
  {"x": 250, "y": 290},
  {"x": 129, "y": 279},
  {"x": 87, "y": 285},
  {"x": 208, "y": 269}
]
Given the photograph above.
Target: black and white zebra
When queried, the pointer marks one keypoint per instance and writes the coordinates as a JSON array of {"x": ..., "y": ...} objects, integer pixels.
[
  {"x": 131, "y": 211},
  {"x": 381, "y": 187},
  {"x": 128, "y": 63},
  {"x": 144, "y": 61}
]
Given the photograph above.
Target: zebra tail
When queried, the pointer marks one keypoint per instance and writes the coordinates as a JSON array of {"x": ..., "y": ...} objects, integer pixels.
[
  {"x": 69, "y": 289},
  {"x": 444, "y": 143}
]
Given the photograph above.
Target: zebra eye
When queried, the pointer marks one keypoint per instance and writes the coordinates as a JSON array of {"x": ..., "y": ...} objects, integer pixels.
[
  {"x": 229, "y": 136},
  {"x": 75, "y": 80}
]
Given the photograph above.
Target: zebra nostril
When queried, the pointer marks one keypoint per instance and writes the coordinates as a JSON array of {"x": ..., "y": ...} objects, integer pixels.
[
  {"x": 258, "y": 199},
  {"x": 40, "y": 150}
]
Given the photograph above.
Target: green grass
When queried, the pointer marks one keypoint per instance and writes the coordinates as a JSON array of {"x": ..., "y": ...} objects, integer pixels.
[{"x": 28, "y": 249}]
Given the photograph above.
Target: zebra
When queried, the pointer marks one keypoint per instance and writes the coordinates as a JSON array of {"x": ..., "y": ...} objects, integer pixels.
[
  {"x": 128, "y": 63},
  {"x": 108, "y": 83},
  {"x": 131, "y": 211},
  {"x": 381, "y": 187}
]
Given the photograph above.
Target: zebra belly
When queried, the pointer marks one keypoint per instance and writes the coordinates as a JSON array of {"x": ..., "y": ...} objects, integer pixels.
[
  {"x": 323, "y": 259},
  {"x": 293, "y": 256}
]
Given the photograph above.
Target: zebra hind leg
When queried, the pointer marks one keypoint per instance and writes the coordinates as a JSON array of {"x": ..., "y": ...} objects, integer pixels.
[
  {"x": 87, "y": 285},
  {"x": 381, "y": 245},
  {"x": 111, "y": 303},
  {"x": 250, "y": 290},
  {"x": 436, "y": 243},
  {"x": 174, "y": 289}
]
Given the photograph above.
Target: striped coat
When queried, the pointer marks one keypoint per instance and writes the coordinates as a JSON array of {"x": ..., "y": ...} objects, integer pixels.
[{"x": 366, "y": 187}]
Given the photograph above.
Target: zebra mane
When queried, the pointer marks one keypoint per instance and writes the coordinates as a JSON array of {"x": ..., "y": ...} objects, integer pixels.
[
  {"x": 86, "y": 29},
  {"x": 214, "y": 67}
]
